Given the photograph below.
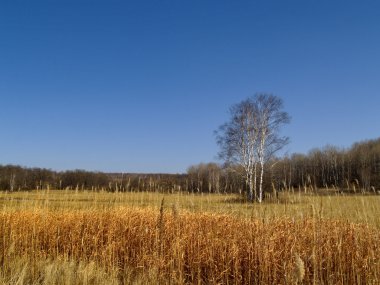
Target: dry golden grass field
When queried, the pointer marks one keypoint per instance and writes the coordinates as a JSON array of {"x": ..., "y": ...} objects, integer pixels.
[{"x": 68, "y": 237}]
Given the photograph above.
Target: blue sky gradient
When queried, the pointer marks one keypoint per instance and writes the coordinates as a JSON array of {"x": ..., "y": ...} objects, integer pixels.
[{"x": 140, "y": 86}]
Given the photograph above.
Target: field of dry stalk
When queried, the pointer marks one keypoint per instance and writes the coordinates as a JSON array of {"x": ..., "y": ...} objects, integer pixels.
[{"x": 130, "y": 245}]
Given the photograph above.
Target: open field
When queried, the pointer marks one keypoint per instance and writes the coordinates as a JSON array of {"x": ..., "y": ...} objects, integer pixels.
[
  {"x": 68, "y": 237},
  {"x": 357, "y": 209}
]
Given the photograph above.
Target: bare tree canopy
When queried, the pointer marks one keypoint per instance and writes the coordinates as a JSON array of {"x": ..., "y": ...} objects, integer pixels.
[{"x": 251, "y": 137}]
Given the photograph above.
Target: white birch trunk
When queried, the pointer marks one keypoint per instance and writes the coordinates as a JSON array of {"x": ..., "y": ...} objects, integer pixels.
[{"x": 261, "y": 182}]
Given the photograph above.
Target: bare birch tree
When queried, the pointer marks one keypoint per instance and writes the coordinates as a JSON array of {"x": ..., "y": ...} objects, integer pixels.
[
  {"x": 270, "y": 119},
  {"x": 238, "y": 141},
  {"x": 251, "y": 137}
]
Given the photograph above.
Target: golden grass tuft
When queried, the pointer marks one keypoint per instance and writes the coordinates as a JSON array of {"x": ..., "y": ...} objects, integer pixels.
[{"x": 299, "y": 270}]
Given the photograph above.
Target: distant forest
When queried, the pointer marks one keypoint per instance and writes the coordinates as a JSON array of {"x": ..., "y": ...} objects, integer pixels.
[{"x": 355, "y": 169}]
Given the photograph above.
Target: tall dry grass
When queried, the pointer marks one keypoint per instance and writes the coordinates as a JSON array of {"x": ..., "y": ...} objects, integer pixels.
[{"x": 179, "y": 247}]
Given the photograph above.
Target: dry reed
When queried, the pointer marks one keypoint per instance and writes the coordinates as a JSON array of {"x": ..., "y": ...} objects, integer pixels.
[{"x": 196, "y": 248}]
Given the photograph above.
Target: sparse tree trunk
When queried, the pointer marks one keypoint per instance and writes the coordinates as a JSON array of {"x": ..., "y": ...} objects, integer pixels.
[
  {"x": 255, "y": 180},
  {"x": 260, "y": 198},
  {"x": 12, "y": 182},
  {"x": 250, "y": 188}
]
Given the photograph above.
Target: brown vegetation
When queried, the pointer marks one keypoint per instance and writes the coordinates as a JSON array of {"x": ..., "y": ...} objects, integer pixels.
[{"x": 195, "y": 248}]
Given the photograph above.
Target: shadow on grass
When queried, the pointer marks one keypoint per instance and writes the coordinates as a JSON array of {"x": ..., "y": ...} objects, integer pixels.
[{"x": 281, "y": 198}]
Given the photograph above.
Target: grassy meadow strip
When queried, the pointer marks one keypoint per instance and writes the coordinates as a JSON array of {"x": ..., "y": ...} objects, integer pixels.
[{"x": 357, "y": 209}]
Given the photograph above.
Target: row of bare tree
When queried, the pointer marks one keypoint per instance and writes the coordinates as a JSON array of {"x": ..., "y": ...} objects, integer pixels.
[
  {"x": 16, "y": 178},
  {"x": 210, "y": 178},
  {"x": 330, "y": 167},
  {"x": 354, "y": 169}
]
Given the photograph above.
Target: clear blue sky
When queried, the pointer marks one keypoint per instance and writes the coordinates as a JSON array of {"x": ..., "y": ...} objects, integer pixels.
[{"x": 140, "y": 86}]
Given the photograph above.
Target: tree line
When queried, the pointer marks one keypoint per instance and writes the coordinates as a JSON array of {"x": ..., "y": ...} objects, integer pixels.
[
  {"x": 350, "y": 170},
  {"x": 201, "y": 178},
  {"x": 17, "y": 178},
  {"x": 354, "y": 169}
]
